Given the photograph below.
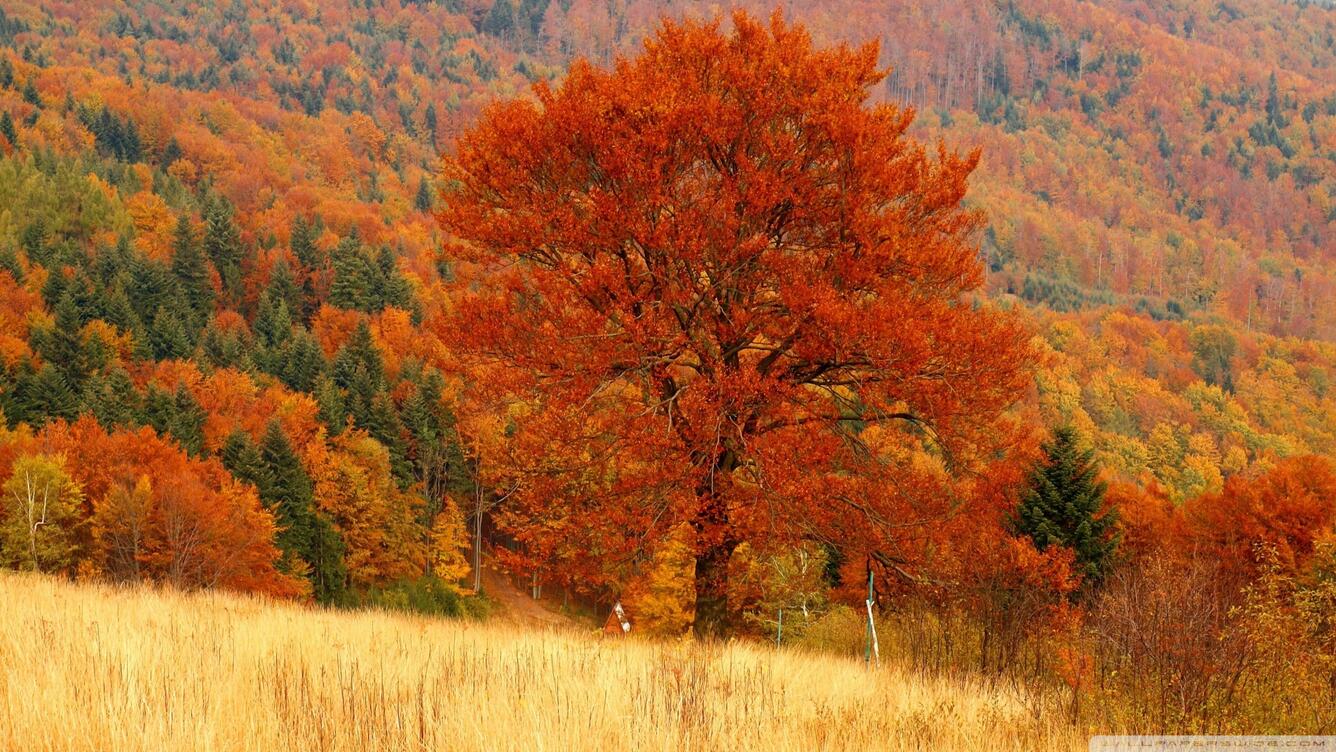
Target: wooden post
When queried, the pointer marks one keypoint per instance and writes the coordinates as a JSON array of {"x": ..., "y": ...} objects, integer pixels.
[
  {"x": 779, "y": 632},
  {"x": 871, "y": 630}
]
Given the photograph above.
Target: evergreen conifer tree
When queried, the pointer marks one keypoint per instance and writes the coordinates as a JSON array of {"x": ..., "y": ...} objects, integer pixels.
[
  {"x": 429, "y": 120},
  {"x": 242, "y": 459},
  {"x": 354, "y": 278},
  {"x": 117, "y": 310},
  {"x": 223, "y": 348},
  {"x": 303, "y": 362},
  {"x": 176, "y": 415},
  {"x": 151, "y": 287},
  {"x": 359, "y": 351},
  {"x": 31, "y": 95},
  {"x": 222, "y": 244},
  {"x": 167, "y": 336},
  {"x": 423, "y": 203},
  {"x": 43, "y": 395},
  {"x": 1064, "y": 506},
  {"x": 113, "y": 400},
  {"x": 303, "y": 244},
  {"x": 191, "y": 270},
  {"x": 273, "y": 322},
  {"x": 7, "y": 129},
  {"x": 392, "y": 288},
  {"x": 187, "y": 425},
  {"x": 304, "y": 532},
  {"x": 330, "y": 401},
  {"x": 531, "y": 13},
  {"x": 62, "y": 345},
  {"x": 283, "y": 288},
  {"x": 500, "y": 21}
]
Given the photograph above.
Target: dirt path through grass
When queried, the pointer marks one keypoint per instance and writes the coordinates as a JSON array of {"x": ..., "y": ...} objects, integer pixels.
[{"x": 516, "y": 604}]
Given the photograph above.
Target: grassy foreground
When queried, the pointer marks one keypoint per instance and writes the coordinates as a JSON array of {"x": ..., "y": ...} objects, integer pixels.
[{"x": 95, "y": 667}]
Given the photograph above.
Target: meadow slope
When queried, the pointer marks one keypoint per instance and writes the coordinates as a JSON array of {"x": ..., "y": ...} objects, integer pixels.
[{"x": 95, "y": 667}]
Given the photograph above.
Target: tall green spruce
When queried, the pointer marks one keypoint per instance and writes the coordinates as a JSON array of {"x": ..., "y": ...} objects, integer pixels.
[
  {"x": 304, "y": 533},
  {"x": 191, "y": 270},
  {"x": 313, "y": 263},
  {"x": 7, "y": 129},
  {"x": 359, "y": 370},
  {"x": 178, "y": 415},
  {"x": 1064, "y": 506},
  {"x": 222, "y": 244},
  {"x": 423, "y": 202}
]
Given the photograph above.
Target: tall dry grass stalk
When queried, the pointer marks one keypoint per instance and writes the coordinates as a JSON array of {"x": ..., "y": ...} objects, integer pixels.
[{"x": 87, "y": 667}]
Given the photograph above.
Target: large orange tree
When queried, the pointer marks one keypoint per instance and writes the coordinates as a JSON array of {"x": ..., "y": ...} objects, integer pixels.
[{"x": 719, "y": 287}]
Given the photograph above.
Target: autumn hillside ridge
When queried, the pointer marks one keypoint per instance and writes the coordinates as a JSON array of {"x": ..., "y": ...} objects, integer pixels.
[{"x": 1004, "y": 325}]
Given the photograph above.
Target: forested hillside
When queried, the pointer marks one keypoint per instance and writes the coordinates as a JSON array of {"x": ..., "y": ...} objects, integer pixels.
[{"x": 225, "y": 313}]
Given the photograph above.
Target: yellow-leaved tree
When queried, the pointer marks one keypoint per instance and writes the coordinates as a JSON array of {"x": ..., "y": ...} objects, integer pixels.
[
  {"x": 41, "y": 500},
  {"x": 448, "y": 538}
]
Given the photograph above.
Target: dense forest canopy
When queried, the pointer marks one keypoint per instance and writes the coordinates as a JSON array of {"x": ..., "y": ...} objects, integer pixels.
[{"x": 221, "y": 264}]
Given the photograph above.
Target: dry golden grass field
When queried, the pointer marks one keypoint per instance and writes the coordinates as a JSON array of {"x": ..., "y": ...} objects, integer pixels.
[{"x": 88, "y": 667}]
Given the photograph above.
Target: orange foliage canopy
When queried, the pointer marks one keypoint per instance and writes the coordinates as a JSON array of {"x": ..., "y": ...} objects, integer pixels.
[
  {"x": 709, "y": 274},
  {"x": 1278, "y": 516},
  {"x": 158, "y": 514}
]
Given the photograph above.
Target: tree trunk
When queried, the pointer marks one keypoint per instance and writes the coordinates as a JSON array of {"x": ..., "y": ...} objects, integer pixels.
[
  {"x": 712, "y": 616},
  {"x": 715, "y": 541}
]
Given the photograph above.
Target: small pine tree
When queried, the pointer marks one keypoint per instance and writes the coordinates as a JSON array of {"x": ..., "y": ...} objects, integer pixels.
[
  {"x": 312, "y": 265},
  {"x": 242, "y": 459},
  {"x": 391, "y": 287},
  {"x": 113, "y": 399},
  {"x": 303, "y": 244},
  {"x": 303, "y": 362},
  {"x": 282, "y": 287},
  {"x": 176, "y": 415},
  {"x": 150, "y": 287},
  {"x": 333, "y": 413},
  {"x": 359, "y": 351},
  {"x": 1064, "y": 506},
  {"x": 222, "y": 244},
  {"x": 500, "y": 21},
  {"x": 223, "y": 348},
  {"x": 187, "y": 425},
  {"x": 62, "y": 345},
  {"x": 273, "y": 322},
  {"x": 423, "y": 202},
  {"x": 117, "y": 310},
  {"x": 7, "y": 129},
  {"x": 170, "y": 153},
  {"x": 429, "y": 120},
  {"x": 191, "y": 270},
  {"x": 31, "y": 95},
  {"x": 354, "y": 277},
  {"x": 168, "y": 337},
  {"x": 44, "y": 395}
]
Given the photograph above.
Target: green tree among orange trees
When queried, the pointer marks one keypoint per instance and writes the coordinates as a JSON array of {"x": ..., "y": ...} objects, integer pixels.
[
  {"x": 1064, "y": 506},
  {"x": 719, "y": 286}
]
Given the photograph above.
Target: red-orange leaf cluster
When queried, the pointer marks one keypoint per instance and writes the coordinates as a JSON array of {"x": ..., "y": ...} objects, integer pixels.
[{"x": 723, "y": 289}]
